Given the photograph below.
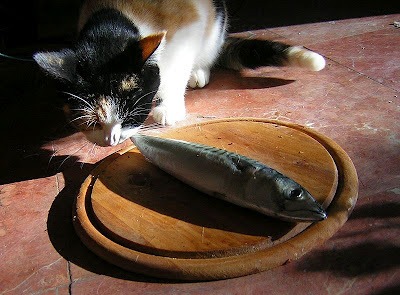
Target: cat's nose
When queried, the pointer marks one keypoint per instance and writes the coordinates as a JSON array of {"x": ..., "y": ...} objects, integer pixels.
[{"x": 112, "y": 134}]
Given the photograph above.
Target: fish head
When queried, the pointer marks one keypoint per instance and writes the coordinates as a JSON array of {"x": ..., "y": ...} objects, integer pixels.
[{"x": 296, "y": 203}]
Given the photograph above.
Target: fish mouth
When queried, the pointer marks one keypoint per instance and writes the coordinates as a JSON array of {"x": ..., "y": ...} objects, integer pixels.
[{"x": 304, "y": 215}]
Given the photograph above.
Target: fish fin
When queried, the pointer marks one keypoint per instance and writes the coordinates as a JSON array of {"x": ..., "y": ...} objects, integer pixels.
[{"x": 244, "y": 166}]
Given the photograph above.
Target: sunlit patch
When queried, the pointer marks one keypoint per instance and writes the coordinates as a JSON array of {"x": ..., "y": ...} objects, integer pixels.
[
  {"x": 129, "y": 83},
  {"x": 93, "y": 116},
  {"x": 86, "y": 120},
  {"x": 106, "y": 110},
  {"x": 55, "y": 60}
]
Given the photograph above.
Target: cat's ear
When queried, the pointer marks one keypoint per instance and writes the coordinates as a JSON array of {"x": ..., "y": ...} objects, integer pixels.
[
  {"x": 59, "y": 64},
  {"x": 150, "y": 44}
]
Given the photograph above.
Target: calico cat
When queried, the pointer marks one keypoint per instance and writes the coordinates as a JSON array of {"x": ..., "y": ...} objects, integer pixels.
[{"x": 130, "y": 54}]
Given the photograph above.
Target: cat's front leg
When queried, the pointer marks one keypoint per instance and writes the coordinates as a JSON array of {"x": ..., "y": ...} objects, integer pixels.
[
  {"x": 175, "y": 65},
  {"x": 168, "y": 113},
  {"x": 170, "y": 98}
]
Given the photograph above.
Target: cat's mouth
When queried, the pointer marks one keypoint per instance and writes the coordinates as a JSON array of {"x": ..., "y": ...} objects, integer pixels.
[
  {"x": 110, "y": 134},
  {"x": 100, "y": 125}
]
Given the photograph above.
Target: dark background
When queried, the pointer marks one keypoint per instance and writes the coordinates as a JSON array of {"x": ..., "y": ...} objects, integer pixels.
[{"x": 38, "y": 22}]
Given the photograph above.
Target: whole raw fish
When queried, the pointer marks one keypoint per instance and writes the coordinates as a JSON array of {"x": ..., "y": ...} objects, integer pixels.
[{"x": 231, "y": 177}]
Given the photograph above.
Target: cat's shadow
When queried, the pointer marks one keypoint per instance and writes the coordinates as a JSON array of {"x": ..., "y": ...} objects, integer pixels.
[
  {"x": 31, "y": 116},
  {"x": 222, "y": 79}
]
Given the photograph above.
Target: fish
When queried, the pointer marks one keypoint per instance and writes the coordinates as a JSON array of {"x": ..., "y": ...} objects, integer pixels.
[{"x": 231, "y": 177}]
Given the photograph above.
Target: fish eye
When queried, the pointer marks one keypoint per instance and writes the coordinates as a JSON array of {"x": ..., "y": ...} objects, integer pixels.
[{"x": 295, "y": 193}]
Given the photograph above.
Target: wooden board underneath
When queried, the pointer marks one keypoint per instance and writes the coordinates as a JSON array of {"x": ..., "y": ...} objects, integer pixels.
[{"x": 136, "y": 216}]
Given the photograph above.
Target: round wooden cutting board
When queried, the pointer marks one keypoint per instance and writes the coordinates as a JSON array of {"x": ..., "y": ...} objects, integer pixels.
[{"x": 136, "y": 216}]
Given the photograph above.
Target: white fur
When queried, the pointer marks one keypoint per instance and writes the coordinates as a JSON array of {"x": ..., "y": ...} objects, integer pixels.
[
  {"x": 110, "y": 134},
  {"x": 208, "y": 53},
  {"x": 175, "y": 63},
  {"x": 185, "y": 59},
  {"x": 301, "y": 57}
]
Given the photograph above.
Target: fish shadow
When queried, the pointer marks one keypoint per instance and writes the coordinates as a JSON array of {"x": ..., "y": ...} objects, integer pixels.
[{"x": 64, "y": 238}]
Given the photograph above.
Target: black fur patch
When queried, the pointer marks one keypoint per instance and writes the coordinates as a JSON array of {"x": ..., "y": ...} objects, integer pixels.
[
  {"x": 220, "y": 8},
  {"x": 108, "y": 43},
  {"x": 107, "y": 51},
  {"x": 252, "y": 53}
]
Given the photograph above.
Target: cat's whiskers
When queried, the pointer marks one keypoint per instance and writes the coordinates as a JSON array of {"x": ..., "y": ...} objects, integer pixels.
[
  {"x": 91, "y": 107},
  {"x": 135, "y": 104},
  {"x": 142, "y": 107},
  {"x": 92, "y": 151},
  {"x": 138, "y": 111},
  {"x": 56, "y": 152},
  {"x": 53, "y": 155},
  {"x": 74, "y": 153},
  {"x": 83, "y": 110},
  {"x": 148, "y": 93},
  {"x": 150, "y": 127},
  {"x": 88, "y": 111},
  {"x": 92, "y": 121},
  {"x": 140, "y": 98},
  {"x": 89, "y": 154},
  {"x": 81, "y": 117}
]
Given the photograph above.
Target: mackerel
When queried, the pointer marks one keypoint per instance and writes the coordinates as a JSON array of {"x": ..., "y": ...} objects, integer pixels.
[{"x": 231, "y": 177}]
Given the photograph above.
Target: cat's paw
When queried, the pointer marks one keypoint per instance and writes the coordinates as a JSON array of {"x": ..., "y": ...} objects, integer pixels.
[
  {"x": 168, "y": 115},
  {"x": 199, "y": 78}
]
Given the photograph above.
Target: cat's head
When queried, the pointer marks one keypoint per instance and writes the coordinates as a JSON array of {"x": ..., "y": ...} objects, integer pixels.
[{"x": 109, "y": 89}]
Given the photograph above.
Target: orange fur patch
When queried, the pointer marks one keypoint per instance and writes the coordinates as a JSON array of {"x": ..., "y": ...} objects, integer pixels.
[
  {"x": 150, "y": 43},
  {"x": 129, "y": 83},
  {"x": 103, "y": 109},
  {"x": 162, "y": 15}
]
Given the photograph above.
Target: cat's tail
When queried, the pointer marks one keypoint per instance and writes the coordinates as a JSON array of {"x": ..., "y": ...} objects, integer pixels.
[{"x": 240, "y": 53}]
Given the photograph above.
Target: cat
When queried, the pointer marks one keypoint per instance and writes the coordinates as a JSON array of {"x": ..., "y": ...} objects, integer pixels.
[{"x": 134, "y": 56}]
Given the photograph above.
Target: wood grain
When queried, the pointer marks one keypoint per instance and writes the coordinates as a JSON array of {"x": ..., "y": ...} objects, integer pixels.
[{"x": 134, "y": 215}]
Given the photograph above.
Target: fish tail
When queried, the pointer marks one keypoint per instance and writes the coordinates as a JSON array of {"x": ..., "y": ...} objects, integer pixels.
[{"x": 241, "y": 53}]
